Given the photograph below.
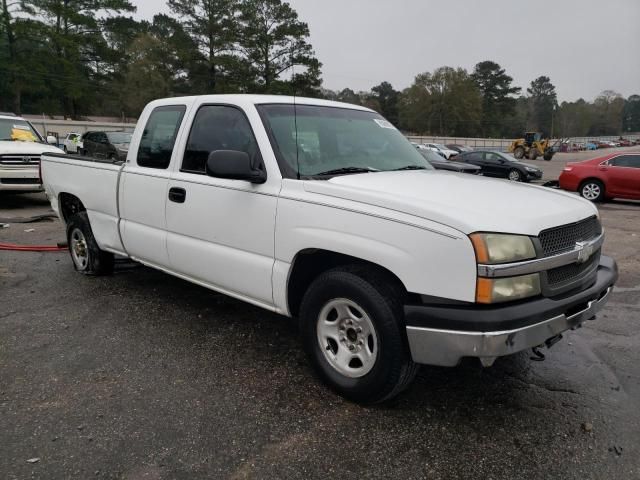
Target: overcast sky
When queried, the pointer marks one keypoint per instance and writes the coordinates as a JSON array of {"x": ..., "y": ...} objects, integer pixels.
[{"x": 584, "y": 46}]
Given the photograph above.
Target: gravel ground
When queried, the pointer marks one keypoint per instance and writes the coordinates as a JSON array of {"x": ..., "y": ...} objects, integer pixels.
[{"x": 144, "y": 376}]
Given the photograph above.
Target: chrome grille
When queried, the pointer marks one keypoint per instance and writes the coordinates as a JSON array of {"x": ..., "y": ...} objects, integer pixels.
[
  {"x": 19, "y": 160},
  {"x": 574, "y": 271},
  {"x": 562, "y": 239}
]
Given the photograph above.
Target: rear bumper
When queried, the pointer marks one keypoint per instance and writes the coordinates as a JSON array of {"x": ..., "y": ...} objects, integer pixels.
[{"x": 443, "y": 335}]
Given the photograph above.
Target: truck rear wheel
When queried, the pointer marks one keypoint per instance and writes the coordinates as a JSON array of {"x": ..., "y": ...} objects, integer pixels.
[
  {"x": 352, "y": 330},
  {"x": 86, "y": 255}
]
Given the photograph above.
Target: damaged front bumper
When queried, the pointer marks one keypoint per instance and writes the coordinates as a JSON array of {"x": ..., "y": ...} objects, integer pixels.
[{"x": 443, "y": 335}]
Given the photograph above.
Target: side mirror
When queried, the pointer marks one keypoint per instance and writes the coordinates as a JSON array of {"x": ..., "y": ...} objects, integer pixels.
[
  {"x": 233, "y": 165},
  {"x": 51, "y": 140}
]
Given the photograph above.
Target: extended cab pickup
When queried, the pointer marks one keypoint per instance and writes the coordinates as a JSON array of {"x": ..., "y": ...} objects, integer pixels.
[{"x": 325, "y": 212}]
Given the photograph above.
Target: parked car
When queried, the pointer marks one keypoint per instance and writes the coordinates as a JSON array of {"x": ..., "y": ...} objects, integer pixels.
[
  {"x": 458, "y": 148},
  {"x": 440, "y": 163},
  {"x": 20, "y": 149},
  {"x": 420, "y": 146},
  {"x": 385, "y": 262},
  {"x": 72, "y": 143},
  {"x": 591, "y": 146},
  {"x": 602, "y": 178},
  {"x": 106, "y": 145},
  {"x": 498, "y": 164},
  {"x": 446, "y": 152}
]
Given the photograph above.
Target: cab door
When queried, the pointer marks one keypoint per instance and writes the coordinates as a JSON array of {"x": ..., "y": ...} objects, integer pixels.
[
  {"x": 221, "y": 231},
  {"x": 143, "y": 186}
]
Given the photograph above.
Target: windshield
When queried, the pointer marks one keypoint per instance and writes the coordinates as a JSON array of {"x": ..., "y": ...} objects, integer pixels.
[
  {"x": 119, "y": 137},
  {"x": 14, "y": 129},
  {"x": 331, "y": 139}
]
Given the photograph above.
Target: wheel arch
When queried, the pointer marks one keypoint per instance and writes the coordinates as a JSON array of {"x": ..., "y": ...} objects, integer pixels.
[
  {"x": 591, "y": 178},
  {"x": 69, "y": 205},
  {"x": 309, "y": 263}
]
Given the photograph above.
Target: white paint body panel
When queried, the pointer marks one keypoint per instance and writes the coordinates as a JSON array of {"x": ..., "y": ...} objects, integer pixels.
[{"x": 242, "y": 239}]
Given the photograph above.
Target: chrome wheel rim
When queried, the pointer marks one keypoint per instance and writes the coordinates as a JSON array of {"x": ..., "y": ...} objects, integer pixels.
[
  {"x": 79, "y": 249},
  {"x": 514, "y": 176},
  {"x": 347, "y": 338},
  {"x": 591, "y": 191}
]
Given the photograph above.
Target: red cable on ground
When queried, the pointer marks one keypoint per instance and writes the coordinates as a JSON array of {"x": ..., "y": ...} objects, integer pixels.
[{"x": 31, "y": 248}]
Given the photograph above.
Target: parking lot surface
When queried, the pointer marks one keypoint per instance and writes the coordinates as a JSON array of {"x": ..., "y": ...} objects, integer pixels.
[{"x": 141, "y": 375}]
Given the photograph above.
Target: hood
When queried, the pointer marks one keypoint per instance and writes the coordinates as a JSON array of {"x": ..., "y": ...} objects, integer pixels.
[
  {"x": 26, "y": 148},
  {"x": 468, "y": 203}
]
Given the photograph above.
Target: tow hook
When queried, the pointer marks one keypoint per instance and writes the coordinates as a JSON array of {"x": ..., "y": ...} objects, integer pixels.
[{"x": 539, "y": 356}]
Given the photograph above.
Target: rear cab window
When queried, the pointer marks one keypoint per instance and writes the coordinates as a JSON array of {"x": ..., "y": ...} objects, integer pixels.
[{"x": 159, "y": 136}]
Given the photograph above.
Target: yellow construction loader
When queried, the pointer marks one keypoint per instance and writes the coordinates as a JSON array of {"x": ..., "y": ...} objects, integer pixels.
[{"x": 532, "y": 146}]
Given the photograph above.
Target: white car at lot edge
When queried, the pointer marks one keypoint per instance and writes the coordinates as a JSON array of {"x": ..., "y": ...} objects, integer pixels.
[
  {"x": 20, "y": 149},
  {"x": 385, "y": 262},
  {"x": 447, "y": 152},
  {"x": 72, "y": 143}
]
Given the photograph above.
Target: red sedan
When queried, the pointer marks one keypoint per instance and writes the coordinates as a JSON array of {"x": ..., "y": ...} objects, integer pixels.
[{"x": 598, "y": 179}]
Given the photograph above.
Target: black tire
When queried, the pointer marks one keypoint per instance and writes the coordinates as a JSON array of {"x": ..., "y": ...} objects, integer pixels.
[
  {"x": 381, "y": 300},
  {"x": 593, "y": 190},
  {"x": 88, "y": 259},
  {"x": 515, "y": 175},
  {"x": 533, "y": 153},
  {"x": 518, "y": 152},
  {"x": 64, "y": 147},
  {"x": 548, "y": 155}
]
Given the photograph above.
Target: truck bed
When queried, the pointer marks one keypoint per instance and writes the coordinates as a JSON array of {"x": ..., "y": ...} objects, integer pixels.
[{"x": 96, "y": 182}]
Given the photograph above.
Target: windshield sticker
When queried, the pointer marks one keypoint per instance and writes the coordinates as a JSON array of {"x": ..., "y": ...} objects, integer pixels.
[
  {"x": 22, "y": 135},
  {"x": 384, "y": 123},
  {"x": 22, "y": 127}
]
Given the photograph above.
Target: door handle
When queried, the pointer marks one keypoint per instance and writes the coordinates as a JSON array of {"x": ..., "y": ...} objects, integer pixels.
[{"x": 178, "y": 195}]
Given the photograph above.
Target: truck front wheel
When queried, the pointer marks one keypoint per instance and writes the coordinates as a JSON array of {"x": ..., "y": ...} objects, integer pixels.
[
  {"x": 352, "y": 331},
  {"x": 85, "y": 253}
]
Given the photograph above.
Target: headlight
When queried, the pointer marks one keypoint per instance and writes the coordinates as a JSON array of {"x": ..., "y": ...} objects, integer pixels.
[
  {"x": 531, "y": 169},
  {"x": 507, "y": 289},
  {"x": 502, "y": 248}
]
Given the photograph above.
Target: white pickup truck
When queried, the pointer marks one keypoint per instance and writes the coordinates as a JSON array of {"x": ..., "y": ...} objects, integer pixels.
[
  {"x": 324, "y": 212},
  {"x": 20, "y": 149}
]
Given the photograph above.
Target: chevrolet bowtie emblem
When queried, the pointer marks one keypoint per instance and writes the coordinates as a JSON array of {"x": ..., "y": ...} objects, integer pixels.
[{"x": 585, "y": 250}]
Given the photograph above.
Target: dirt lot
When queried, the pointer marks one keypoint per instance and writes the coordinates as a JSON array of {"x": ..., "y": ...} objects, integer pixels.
[{"x": 144, "y": 376}]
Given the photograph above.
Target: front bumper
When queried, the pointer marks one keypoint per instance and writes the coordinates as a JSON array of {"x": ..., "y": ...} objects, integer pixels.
[
  {"x": 20, "y": 179},
  {"x": 533, "y": 175},
  {"x": 443, "y": 335}
]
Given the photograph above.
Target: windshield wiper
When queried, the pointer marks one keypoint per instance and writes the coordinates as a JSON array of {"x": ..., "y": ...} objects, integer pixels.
[
  {"x": 343, "y": 170},
  {"x": 410, "y": 167}
]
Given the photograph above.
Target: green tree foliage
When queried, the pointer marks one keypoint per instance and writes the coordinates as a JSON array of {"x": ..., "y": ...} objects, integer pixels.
[
  {"x": 631, "y": 114},
  {"x": 274, "y": 41},
  {"x": 498, "y": 102},
  {"x": 79, "y": 57},
  {"x": 608, "y": 109},
  {"x": 445, "y": 102},
  {"x": 543, "y": 100},
  {"x": 75, "y": 32},
  {"x": 212, "y": 27},
  {"x": 387, "y": 98}
]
